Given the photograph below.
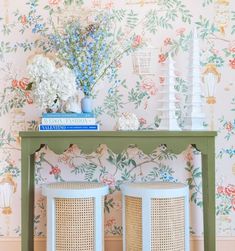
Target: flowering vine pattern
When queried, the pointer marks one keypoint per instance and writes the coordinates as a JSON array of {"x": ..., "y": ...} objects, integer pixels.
[{"x": 23, "y": 27}]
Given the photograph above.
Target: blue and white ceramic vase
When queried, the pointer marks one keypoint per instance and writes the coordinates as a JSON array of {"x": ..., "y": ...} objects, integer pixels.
[{"x": 86, "y": 104}]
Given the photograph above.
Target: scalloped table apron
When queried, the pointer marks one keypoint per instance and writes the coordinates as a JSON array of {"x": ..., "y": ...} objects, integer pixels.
[{"x": 176, "y": 142}]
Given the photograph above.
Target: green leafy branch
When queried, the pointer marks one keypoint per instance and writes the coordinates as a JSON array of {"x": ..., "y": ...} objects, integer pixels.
[
  {"x": 137, "y": 96},
  {"x": 112, "y": 103},
  {"x": 205, "y": 27},
  {"x": 6, "y": 140},
  {"x": 194, "y": 186},
  {"x": 171, "y": 8}
]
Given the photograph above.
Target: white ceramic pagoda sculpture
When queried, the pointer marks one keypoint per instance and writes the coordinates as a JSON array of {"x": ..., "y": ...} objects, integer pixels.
[
  {"x": 195, "y": 104},
  {"x": 167, "y": 100}
]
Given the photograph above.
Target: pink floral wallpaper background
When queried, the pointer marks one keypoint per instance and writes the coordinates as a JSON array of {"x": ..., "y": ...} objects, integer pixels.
[{"x": 165, "y": 26}]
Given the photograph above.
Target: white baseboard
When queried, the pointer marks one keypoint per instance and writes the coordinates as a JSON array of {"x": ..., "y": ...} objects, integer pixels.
[{"x": 115, "y": 244}]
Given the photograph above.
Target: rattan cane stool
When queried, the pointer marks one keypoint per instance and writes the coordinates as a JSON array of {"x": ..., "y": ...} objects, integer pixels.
[
  {"x": 75, "y": 216},
  {"x": 155, "y": 217}
]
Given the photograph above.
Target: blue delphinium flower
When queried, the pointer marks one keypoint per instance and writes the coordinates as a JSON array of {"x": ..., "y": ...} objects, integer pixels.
[{"x": 88, "y": 51}]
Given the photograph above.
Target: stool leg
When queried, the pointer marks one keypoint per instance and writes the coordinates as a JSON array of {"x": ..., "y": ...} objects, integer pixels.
[
  {"x": 187, "y": 236},
  {"x": 99, "y": 230},
  {"x": 123, "y": 223},
  {"x": 146, "y": 224},
  {"x": 51, "y": 224}
]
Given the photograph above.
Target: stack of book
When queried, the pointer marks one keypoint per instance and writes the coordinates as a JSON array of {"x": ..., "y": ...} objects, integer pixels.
[{"x": 68, "y": 122}]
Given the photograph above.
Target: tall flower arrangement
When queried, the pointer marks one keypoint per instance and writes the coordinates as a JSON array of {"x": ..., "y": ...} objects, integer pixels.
[{"x": 89, "y": 50}]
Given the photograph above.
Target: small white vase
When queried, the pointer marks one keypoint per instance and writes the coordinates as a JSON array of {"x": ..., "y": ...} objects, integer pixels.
[{"x": 86, "y": 104}]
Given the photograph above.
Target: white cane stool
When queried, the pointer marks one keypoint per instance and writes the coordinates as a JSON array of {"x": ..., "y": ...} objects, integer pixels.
[
  {"x": 75, "y": 216},
  {"x": 155, "y": 217}
]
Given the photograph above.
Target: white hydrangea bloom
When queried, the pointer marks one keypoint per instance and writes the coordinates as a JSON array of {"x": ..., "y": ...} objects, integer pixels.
[
  {"x": 40, "y": 68},
  {"x": 51, "y": 85},
  {"x": 66, "y": 82}
]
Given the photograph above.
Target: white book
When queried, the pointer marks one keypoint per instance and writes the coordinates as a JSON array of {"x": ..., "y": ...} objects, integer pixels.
[{"x": 68, "y": 121}]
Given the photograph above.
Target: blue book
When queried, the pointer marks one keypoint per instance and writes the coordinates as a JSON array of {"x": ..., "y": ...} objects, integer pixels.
[
  {"x": 69, "y": 127},
  {"x": 68, "y": 115}
]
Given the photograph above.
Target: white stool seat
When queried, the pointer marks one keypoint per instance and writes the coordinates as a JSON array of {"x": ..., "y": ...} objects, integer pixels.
[
  {"x": 155, "y": 216},
  {"x": 75, "y": 216}
]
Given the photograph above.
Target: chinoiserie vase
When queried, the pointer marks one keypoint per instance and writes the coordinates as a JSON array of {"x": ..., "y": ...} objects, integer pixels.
[{"x": 86, "y": 104}]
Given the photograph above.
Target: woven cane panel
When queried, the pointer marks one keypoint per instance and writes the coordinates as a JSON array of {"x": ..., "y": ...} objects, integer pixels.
[
  {"x": 75, "y": 224},
  {"x": 168, "y": 224},
  {"x": 74, "y": 185},
  {"x": 133, "y": 221}
]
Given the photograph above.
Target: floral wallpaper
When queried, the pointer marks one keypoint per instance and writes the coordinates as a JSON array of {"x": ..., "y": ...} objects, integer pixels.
[{"x": 165, "y": 27}]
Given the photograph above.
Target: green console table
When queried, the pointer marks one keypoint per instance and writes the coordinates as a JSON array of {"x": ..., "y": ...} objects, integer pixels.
[{"x": 204, "y": 141}]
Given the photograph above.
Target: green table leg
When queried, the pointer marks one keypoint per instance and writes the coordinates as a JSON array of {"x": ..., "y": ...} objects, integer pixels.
[
  {"x": 208, "y": 179},
  {"x": 27, "y": 202}
]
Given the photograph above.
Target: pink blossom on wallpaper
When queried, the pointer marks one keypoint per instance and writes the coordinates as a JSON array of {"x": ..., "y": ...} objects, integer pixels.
[
  {"x": 22, "y": 83},
  {"x": 229, "y": 126},
  {"x": 110, "y": 222},
  {"x": 14, "y": 83},
  {"x": 220, "y": 189},
  {"x": 230, "y": 190},
  {"x": 180, "y": 31},
  {"x": 108, "y": 179},
  {"x": 55, "y": 170},
  {"x": 149, "y": 86},
  {"x": 189, "y": 157},
  {"x": 232, "y": 63},
  {"x": 29, "y": 100},
  {"x": 142, "y": 121},
  {"x": 109, "y": 5},
  {"x": 137, "y": 41},
  {"x": 167, "y": 41},
  {"x": 161, "y": 58},
  {"x": 162, "y": 80},
  {"x": 53, "y": 2},
  {"x": 23, "y": 20}
]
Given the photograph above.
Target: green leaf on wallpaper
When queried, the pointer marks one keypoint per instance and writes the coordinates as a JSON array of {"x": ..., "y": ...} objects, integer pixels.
[
  {"x": 90, "y": 171},
  {"x": 119, "y": 14},
  {"x": 181, "y": 85},
  {"x": 98, "y": 111},
  {"x": 132, "y": 19},
  {"x": 47, "y": 7},
  {"x": 206, "y": 2},
  {"x": 70, "y": 2},
  {"x": 108, "y": 204},
  {"x": 136, "y": 96}
]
